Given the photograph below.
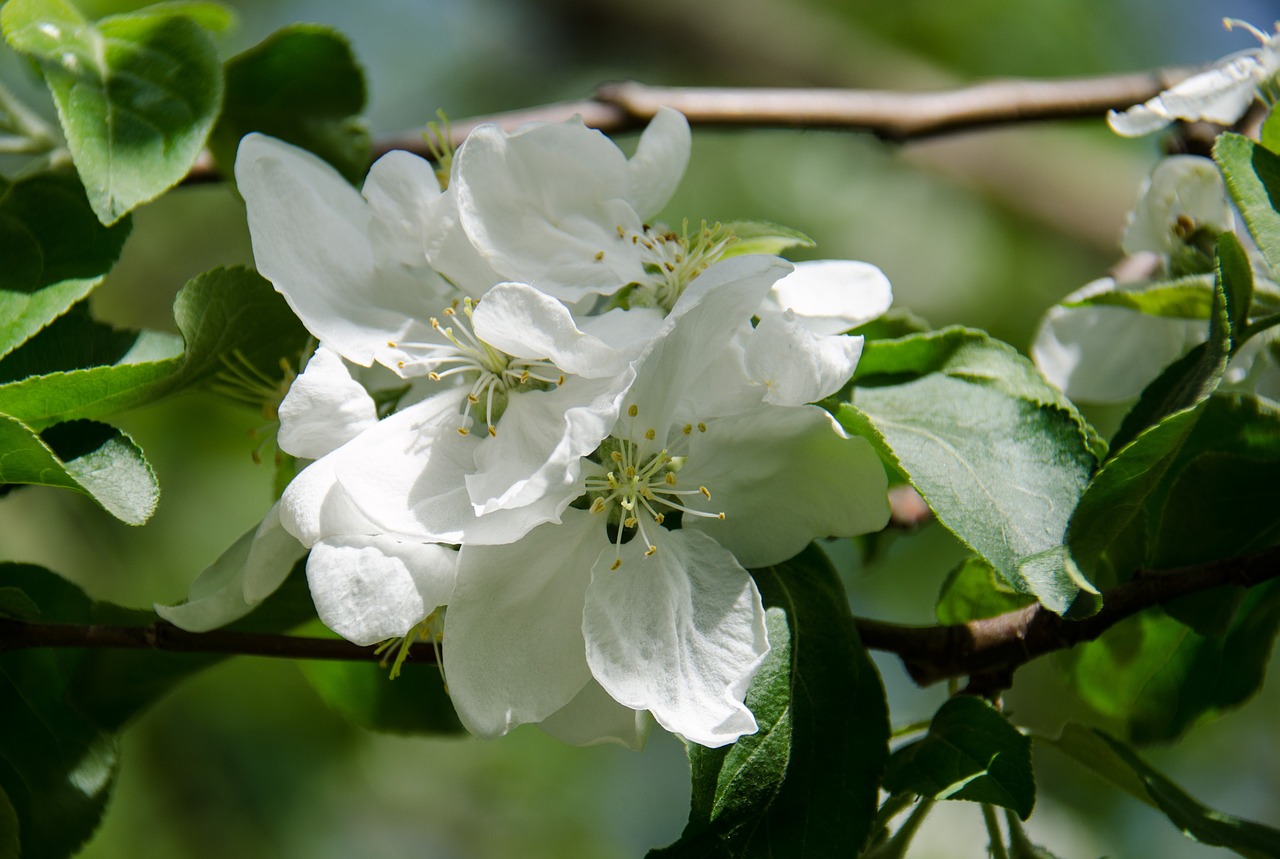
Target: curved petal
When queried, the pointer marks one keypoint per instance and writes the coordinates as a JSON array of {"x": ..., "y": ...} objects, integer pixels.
[
  {"x": 782, "y": 477},
  {"x": 528, "y": 323},
  {"x": 679, "y": 633},
  {"x": 1183, "y": 191},
  {"x": 795, "y": 365},
  {"x": 369, "y": 589},
  {"x": 1222, "y": 95},
  {"x": 311, "y": 236},
  {"x": 547, "y": 206},
  {"x": 451, "y": 253},
  {"x": 513, "y": 649},
  {"x": 324, "y": 409},
  {"x": 240, "y": 579},
  {"x": 658, "y": 165},
  {"x": 402, "y": 189},
  {"x": 832, "y": 296},
  {"x": 1107, "y": 354},
  {"x": 592, "y": 718}
]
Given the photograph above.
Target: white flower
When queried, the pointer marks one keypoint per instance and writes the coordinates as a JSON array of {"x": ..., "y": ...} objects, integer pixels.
[
  {"x": 1183, "y": 196},
  {"x": 1220, "y": 95},
  {"x": 664, "y": 619},
  {"x": 558, "y": 205}
]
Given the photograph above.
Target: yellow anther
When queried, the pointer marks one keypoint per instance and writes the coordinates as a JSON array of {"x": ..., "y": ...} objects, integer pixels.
[
  {"x": 650, "y": 434},
  {"x": 617, "y": 563},
  {"x": 615, "y": 456},
  {"x": 720, "y": 516},
  {"x": 400, "y": 364},
  {"x": 449, "y": 311},
  {"x": 687, "y": 429},
  {"x": 630, "y": 522},
  {"x": 649, "y": 551},
  {"x": 560, "y": 381},
  {"x": 598, "y": 506},
  {"x": 435, "y": 323},
  {"x": 705, "y": 491},
  {"x": 463, "y": 431},
  {"x": 702, "y": 427},
  {"x": 631, "y": 472},
  {"x": 492, "y": 430},
  {"x": 392, "y": 344},
  {"x": 599, "y": 255},
  {"x": 473, "y": 399},
  {"x": 659, "y": 518},
  {"x": 433, "y": 376},
  {"x": 524, "y": 377},
  {"x": 633, "y": 410},
  {"x": 670, "y": 479}
]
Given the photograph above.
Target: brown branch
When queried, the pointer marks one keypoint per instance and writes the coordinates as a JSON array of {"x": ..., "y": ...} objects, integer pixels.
[
  {"x": 617, "y": 108},
  {"x": 989, "y": 650}
]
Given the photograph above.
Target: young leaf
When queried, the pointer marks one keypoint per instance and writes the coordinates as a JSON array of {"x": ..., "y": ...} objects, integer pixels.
[
  {"x": 1121, "y": 765},
  {"x": 54, "y": 252},
  {"x": 762, "y": 237},
  {"x": 971, "y": 752},
  {"x": 997, "y": 452},
  {"x": 1252, "y": 173},
  {"x": 972, "y": 591},
  {"x": 823, "y": 740},
  {"x": 302, "y": 84},
  {"x": 224, "y": 314},
  {"x": 85, "y": 456},
  {"x": 1185, "y": 298},
  {"x": 1237, "y": 278},
  {"x": 137, "y": 94}
]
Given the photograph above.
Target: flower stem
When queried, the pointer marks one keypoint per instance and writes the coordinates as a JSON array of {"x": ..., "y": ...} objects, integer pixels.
[{"x": 996, "y": 847}]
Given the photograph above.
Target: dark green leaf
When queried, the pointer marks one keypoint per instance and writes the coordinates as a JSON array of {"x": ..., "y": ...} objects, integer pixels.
[
  {"x": 823, "y": 740},
  {"x": 971, "y": 752},
  {"x": 413, "y": 703},
  {"x": 302, "y": 84},
  {"x": 228, "y": 314},
  {"x": 891, "y": 325},
  {"x": 1121, "y": 765},
  {"x": 54, "y": 251},
  {"x": 85, "y": 456},
  {"x": 1253, "y": 178},
  {"x": 15, "y": 605},
  {"x": 1158, "y": 678},
  {"x": 1237, "y": 282},
  {"x": 972, "y": 591},
  {"x": 137, "y": 94},
  {"x": 997, "y": 452}
]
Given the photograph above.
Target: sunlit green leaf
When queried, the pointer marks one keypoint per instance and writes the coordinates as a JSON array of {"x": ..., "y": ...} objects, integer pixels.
[
  {"x": 973, "y": 590},
  {"x": 995, "y": 450},
  {"x": 228, "y": 317},
  {"x": 1186, "y": 298},
  {"x": 1253, "y": 178},
  {"x": 971, "y": 752},
  {"x": 301, "y": 84},
  {"x": 823, "y": 740},
  {"x": 85, "y": 456},
  {"x": 137, "y": 94},
  {"x": 1121, "y": 765}
]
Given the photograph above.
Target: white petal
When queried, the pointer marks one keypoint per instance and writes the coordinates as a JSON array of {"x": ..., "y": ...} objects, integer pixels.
[
  {"x": 795, "y": 365},
  {"x": 324, "y": 409},
  {"x": 513, "y": 648},
  {"x": 527, "y": 323},
  {"x": 832, "y": 296},
  {"x": 401, "y": 189},
  {"x": 1183, "y": 187},
  {"x": 1108, "y": 354},
  {"x": 623, "y": 329},
  {"x": 1222, "y": 95},
  {"x": 659, "y": 162},
  {"x": 679, "y": 633},
  {"x": 782, "y": 477},
  {"x": 592, "y": 717},
  {"x": 451, "y": 253},
  {"x": 312, "y": 239},
  {"x": 241, "y": 578},
  {"x": 547, "y": 206},
  {"x": 540, "y": 439},
  {"x": 369, "y": 589}
]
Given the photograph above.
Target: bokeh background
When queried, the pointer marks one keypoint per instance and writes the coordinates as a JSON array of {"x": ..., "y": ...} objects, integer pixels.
[{"x": 986, "y": 229}]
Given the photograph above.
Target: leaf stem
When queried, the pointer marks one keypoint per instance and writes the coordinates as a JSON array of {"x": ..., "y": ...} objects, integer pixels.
[
  {"x": 996, "y": 847},
  {"x": 896, "y": 847},
  {"x": 16, "y": 116}
]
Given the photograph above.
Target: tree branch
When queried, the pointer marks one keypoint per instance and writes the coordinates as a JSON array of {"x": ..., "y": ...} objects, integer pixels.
[
  {"x": 987, "y": 651},
  {"x": 617, "y": 108}
]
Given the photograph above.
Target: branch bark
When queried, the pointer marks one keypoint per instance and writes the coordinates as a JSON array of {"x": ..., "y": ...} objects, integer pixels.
[
  {"x": 617, "y": 108},
  {"x": 987, "y": 651}
]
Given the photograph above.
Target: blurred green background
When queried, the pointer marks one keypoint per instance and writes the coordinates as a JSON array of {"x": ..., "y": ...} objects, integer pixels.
[{"x": 985, "y": 229}]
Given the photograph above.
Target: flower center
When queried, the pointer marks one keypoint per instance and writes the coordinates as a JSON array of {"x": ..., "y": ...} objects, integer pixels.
[
  {"x": 672, "y": 260},
  {"x": 636, "y": 484},
  {"x": 490, "y": 373}
]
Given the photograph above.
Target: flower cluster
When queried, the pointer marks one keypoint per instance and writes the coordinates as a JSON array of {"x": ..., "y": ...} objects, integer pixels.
[{"x": 596, "y": 425}]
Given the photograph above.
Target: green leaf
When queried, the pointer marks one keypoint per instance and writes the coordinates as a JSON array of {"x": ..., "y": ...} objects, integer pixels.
[
  {"x": 137, "y": 94},
  {"x": 302, "y": 84},
  {"x": 1121, "y": 765},
  {"x": 973, "y": 591},
  {"x": 85, "y": 456},
  {"x": 891, "y": 325},
  {"x": 823, "y": 740},
  {"x": 971, "y": 752},
  {"x": 1237, "y": 279},
  {"x": 413, "y": 703},
  {"x": 1252, "y": 173},
  {"x": 763, "y": 237},
  {"x": 996, "y": 451},
  {"x": 225, "y": 314},
  {"x": 15, "y": 605},
  {"x": 63, "y": 706},
  {"x": 1185, "y": 298},
  {"x": 54, "y": 252},
  {"x": 1158, "y": 678}
]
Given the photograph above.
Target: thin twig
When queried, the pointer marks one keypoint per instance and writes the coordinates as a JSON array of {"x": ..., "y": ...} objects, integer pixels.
[{"x": 617, "y": 108}]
